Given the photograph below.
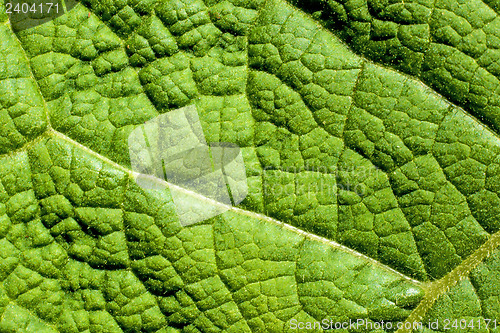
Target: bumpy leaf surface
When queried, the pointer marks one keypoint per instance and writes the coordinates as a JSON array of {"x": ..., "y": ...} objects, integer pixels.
[
  {"x": 473, "y": 305},
  {"x": 370, "y": 195}
]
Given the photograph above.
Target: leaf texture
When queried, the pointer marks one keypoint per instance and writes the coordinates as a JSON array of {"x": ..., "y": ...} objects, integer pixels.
[{"x": 367, "y": 189}]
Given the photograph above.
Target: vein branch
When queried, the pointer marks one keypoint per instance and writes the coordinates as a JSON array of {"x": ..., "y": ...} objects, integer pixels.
[
  {"x": 237, "y": 210},
  {"x": 436, "y": 289}
]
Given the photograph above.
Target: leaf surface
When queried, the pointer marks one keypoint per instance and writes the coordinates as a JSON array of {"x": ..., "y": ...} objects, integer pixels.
[{"x": 367, "y": 190}]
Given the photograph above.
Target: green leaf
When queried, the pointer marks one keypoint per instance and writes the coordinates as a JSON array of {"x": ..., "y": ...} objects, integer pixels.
[
  {"x": 370, "y": 195},
  {"x": 451, "y": 45},
  {"x": 472, "y": 305}
]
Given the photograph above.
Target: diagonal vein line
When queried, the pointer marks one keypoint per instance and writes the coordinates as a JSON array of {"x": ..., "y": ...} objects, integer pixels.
[
  {"x": 239, "y": 211},
  {"x": 437, "y": 288},
  {"x": 433, "y": 290}
]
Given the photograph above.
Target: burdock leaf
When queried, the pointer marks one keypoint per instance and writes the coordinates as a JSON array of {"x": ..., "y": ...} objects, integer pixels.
[{"x": 307, "y": 188}]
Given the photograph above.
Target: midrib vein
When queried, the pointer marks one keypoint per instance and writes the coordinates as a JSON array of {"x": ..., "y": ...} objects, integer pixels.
[
  {"x": 437, "y": 288},
  {"x": 236, "y": 210},
  {"x": 432, "y": 290}
]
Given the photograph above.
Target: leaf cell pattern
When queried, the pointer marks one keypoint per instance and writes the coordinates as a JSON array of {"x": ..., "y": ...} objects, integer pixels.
[{"x": 365, "y": 186}]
